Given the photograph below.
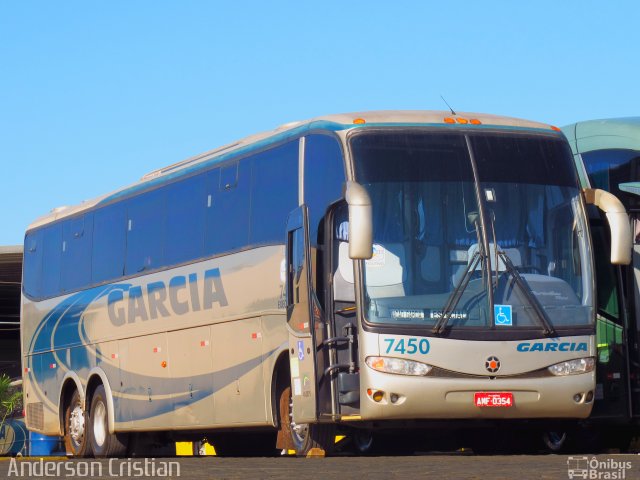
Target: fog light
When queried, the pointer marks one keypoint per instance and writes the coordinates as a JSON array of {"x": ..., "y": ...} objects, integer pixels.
[
  {"x": 377, "y": 396},
  {"x": 589, "y": 396},
  {"x": 394, "y": 397},
  {"x": 577, "y": 397}
]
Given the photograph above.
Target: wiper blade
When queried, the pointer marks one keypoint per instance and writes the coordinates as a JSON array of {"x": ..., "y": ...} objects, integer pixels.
[
  {"x": 541, "y": 315},
  {"x": 455, "y": 296}
]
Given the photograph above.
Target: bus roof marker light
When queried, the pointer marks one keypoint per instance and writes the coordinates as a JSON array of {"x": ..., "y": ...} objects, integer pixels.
[
  {"x": 449, "y": 120},
  {"x": 462, "y": 121},
  {"x": 555, "y": 129},
  {"x": 359, "y": 121},
  {"x": 475, "y": 121}
]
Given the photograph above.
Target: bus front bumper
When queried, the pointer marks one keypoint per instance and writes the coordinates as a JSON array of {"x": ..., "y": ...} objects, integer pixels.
[{"x": 388, "y": 396}]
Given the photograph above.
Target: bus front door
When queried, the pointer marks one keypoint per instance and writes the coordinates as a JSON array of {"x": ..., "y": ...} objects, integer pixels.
[{"x": 303, "y": 316}]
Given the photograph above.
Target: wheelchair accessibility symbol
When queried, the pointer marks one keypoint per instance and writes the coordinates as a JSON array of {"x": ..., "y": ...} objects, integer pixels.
[{"x": 502, "y": 315}]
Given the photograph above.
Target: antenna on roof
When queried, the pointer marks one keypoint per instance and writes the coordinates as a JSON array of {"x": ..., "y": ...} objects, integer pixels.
[{"x": 452, "y": 112}]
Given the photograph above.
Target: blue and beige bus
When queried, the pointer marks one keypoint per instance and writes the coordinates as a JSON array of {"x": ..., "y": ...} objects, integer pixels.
[
  {"x": 355, "y": 271},
  {"x": 608, "y": 153}
]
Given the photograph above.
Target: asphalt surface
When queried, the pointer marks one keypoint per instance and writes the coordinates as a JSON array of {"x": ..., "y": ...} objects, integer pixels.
[{"x": 435, "y": 466}]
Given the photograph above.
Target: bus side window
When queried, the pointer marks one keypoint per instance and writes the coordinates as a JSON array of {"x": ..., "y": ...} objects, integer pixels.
[
  {"x": 610, "y": 167},
  {"x": 32, "y": 263},
  {"x": 228, "y": 208},
  {"x": 51, "y": 259},
  {"x": 609, "y": 321},
  {"x": 185, "y": 223},
  {"x": 145, "y": 232},
  {"x": 274, "y": 192},
  {"x": 109, "y": 237},
  {"x": 77, "y": 237},
  {"x": 324, "y": 179}
]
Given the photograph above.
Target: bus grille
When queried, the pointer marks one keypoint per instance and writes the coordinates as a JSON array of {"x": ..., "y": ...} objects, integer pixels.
[{"x": 35, "y": 415}]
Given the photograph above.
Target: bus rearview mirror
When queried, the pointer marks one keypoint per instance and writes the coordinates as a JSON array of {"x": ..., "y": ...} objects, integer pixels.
[
  {"x": 618, "y": 223},
  {"x": 360, "y": 222}
]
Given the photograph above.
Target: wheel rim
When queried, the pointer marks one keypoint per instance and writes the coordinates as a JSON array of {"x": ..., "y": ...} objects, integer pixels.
[
  {"x": 76, "y": 426},
  {"x": 299, "y": 431},
  {"x": 99, "y": 421}
]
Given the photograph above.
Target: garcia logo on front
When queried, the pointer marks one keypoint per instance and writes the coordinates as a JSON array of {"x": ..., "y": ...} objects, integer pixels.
[
  {"x": 552, "y": 347},
  {"x": 184, "y": 294}
]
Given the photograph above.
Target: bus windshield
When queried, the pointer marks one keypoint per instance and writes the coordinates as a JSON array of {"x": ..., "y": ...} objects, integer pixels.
[{"x": 484, "y": 229}]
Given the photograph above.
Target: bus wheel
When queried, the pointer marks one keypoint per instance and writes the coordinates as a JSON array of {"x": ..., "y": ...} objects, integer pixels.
[
  {"x": 555, "y": 441},
  {"x": 306, "y": 438},
  {"x": 103, "y": 443},
  {"x": 75, "y": 434},
  {"x": 363, "y": 441}
]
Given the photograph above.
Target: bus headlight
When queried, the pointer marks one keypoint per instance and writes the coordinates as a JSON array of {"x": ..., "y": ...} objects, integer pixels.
[
  {"x": 398, "y": 366},
  {"x": 573, "y": 367}
]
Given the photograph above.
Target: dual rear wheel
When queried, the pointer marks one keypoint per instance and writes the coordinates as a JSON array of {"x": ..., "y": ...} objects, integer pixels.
[{"x": 89, "y": 435}]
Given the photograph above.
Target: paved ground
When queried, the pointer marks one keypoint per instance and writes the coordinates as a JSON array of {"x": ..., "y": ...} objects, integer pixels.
[{"x": 437, "y": 466}]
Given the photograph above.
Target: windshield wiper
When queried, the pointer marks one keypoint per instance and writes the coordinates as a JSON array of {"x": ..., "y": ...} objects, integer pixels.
[
  {"x": 455, "y": 296},
  {"x": 541, "y": 315}
]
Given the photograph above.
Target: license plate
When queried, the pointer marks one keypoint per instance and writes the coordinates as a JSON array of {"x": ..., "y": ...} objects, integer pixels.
[{"x": 493, "y": 399}]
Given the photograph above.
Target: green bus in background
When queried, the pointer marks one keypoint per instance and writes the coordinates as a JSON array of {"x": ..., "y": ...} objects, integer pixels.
[{"x": 607, "y": 154}]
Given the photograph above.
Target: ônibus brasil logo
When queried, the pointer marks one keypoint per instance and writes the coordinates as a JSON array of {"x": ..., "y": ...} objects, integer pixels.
[{"x": 596, "y": 468}]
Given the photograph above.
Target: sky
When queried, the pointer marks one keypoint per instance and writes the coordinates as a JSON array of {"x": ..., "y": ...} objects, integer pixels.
[{"x": 94, "y": 94}]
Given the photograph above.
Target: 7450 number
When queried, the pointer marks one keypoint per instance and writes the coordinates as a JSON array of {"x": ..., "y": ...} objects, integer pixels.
[{"x": 411, "y": 345}]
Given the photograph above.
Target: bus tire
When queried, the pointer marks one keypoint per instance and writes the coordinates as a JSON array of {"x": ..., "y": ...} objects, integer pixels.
[
  {"x": 76, "y": 440},
  {"x": 307, "y": 439},
  {"x": 363, "y": 441},
  {"x": 103, "y": 443},
  {"x": 557, "y": 441}
]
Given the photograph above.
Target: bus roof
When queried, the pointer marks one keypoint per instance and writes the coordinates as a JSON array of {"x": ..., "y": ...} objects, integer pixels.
[
  {"x": 618, "y": 133},
  {"x": 334, "y": 122}
]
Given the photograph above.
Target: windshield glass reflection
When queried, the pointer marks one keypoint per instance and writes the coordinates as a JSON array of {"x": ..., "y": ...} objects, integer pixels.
[{"x": 428, "y": 238}]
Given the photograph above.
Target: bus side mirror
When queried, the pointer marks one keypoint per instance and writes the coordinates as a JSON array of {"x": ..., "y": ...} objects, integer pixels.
[
  {"x": 618, "y": 223},
  {"x": 360, "y": 221}
]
